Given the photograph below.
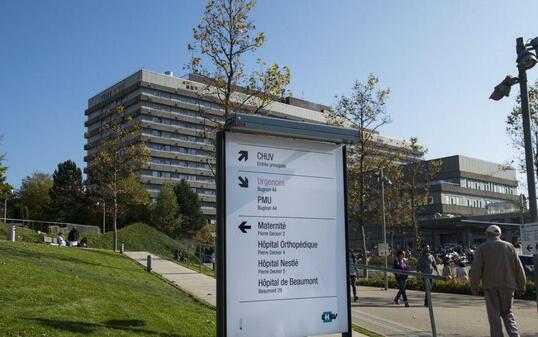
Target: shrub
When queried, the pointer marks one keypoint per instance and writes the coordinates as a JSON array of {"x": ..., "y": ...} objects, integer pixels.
[{"x": 449, "y": 287}]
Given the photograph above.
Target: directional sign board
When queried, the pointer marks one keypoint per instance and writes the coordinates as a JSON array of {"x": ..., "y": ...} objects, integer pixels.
[
  {"x": 384, "y": 249},
  {"x": 284, "y": 258},
  {"x": 529, "y": 238}
]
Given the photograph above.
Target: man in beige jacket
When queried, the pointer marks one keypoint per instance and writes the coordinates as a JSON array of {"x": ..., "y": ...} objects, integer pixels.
[{"x": 496, "y": 263}]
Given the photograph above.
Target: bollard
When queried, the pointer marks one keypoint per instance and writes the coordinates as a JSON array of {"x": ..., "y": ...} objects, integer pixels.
[
  {"x": 12, "y": 234},
  {"x": 122, "y": 249},
  {"x": 148, "y": 264}
]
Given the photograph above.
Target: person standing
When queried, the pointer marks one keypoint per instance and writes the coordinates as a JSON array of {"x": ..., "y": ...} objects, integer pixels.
[
  {"x": 401, "y": 264},
  {"x": 497, "y": 265},
  {"x": 352, "y": 266},
  {"x": 426, "y": 264},
  {"x": 461, "y": 273}
]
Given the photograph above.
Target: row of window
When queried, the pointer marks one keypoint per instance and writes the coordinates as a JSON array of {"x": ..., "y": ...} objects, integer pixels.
[
  {"x": 184, "y": 99},
  {"x": 461, "y": 200},
  {"x": 179, "y": 111},
  {"x": 173, "y": 122},
  {"x": 174, "y": 136},
  {"x": 177, "y": 176},
  {"x": 179, "y": 163},
  {"x": 201, "y": 191},
  {"x": 487, "y": 186},
  {"x": 178, "y": 149}
]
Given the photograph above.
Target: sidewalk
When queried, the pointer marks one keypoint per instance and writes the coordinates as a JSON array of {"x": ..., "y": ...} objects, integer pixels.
[
  {"x": 198, "y": 285},
  {"x": 455, "y": 315}
]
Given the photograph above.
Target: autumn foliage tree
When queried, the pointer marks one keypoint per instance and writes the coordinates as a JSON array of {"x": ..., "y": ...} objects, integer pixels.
[
  {"x": 120, "y": 153},
  {"x": 222, "y": 39}
]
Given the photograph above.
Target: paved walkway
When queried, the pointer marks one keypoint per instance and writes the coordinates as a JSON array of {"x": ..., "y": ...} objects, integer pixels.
[
  {"x": 198, "y": 285},
  {"x": 455, "y": 315}
]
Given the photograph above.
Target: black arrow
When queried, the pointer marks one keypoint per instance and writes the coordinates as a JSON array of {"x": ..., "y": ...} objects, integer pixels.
[
  {"x": 243, "y": 155},
  {"x": 529, "y": 248},
  {"x": 243, "y": 227},
  {"x": 243, "y": 182}
]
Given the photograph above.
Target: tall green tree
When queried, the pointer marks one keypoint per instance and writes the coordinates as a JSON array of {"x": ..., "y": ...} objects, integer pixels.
[
  {"x": 120, "y": 153},
  {"x": 67, "y": 193},
  {"x": 5, "y": 188},
  {"x": 189, "y": 207},
  {"x": 34, "y": 194},
  {"x": 364, "y": 110},
  {"x": 165, "y": 215}
]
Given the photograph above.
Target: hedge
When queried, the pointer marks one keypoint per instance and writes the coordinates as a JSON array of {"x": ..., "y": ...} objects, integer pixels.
[{"x": 449, "y": 287}]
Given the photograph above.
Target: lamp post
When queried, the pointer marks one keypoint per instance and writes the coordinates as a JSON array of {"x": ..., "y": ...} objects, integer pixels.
[
  {"x": 104, "y": 214},
  {"x": 384, "y": 180},
  {"x": 5, "y": 205},
  {"x": 525, "y": 60}
]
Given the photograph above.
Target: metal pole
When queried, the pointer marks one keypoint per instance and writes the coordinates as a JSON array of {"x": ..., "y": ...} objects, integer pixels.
[
  {"x": 148, "y": 263},
  {"x": 529, "y": 162},
  {"x": 382, "y": 178},
  {"x": 104, "y": 216},
  {"x": 430, "y": 306},
  {"x": 200, "y": 258},
  {"x": 536, "y": 278}
]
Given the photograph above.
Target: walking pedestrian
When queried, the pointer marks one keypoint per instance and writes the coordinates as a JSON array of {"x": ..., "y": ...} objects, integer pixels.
[
  {"x": 426, "y": 264},
  {"x": 401, "y": 264},
  {"x": 352, "y": 266},
  {"x": 497, "y": 265},
  {"x": 447, "y": 270},
  {"x": 461, "y": 273}
]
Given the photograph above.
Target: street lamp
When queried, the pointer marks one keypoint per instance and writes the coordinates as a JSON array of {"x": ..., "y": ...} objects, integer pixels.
[
  {"x": 104, "y": 213},
  {"x": 384, "y": 180},
  {"x": 5, "y": 205},
  {"x": 525, "y": 60}
]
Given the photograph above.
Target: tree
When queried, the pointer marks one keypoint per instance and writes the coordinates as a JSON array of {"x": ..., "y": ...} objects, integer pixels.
[
  {"x": 165, "y": 216},
  {"x": 67, "y": 193},
  {"x": 34, "y": 194},
  {"x": 222, "y": 40},
  {"x": 364, "y": 110},
  {"x": 514, "y": 128},
  {"x": 120, "y": 153},
  {"x": 415, "y": 187},
  {"x": 5, "y": 188},
  {"x": 205, "y": 236},
  {"x": 189, "y": 207}
]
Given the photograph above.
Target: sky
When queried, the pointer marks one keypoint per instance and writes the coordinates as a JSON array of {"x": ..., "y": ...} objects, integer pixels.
[{"x": 440, "y": 59}]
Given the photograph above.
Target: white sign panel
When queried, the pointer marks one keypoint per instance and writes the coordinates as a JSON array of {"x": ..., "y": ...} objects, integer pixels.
[
  {"x": 285, "y": 237},
  {"x": 529, "y": 239},
  {"x": 384, "y": 249}
]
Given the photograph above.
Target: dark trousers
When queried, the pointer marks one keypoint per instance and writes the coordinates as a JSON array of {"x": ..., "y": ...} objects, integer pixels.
[
  {"x": 353, "y": 282},
  {"x": 401, "y": 286}
]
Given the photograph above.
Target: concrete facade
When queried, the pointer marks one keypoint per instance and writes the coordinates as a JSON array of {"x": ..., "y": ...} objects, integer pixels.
[{"x": 168, "y": 110}]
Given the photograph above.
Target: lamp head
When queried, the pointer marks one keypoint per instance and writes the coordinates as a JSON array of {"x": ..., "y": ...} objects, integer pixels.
[
  {"x": 526, "y": 59},
  {"x": 503, "y": 89}
]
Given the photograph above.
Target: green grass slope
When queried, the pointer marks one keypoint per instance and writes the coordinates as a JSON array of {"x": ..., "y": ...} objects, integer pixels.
[
  {"x": 59, "y": 291},
  {"x": 22, "y": 234},
  {"x": 141, "y": 237}
]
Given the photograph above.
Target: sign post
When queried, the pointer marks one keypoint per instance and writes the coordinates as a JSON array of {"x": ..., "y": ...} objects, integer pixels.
[
  {"x": 529, "y": 238},
  {"x": 282, "y": 234}
]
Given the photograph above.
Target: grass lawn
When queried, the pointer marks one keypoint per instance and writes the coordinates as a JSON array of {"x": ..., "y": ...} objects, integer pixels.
[
  {"x": 141, "y": 237},
  {"x": 53, "y": 291}
]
